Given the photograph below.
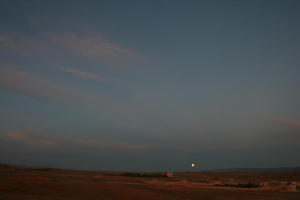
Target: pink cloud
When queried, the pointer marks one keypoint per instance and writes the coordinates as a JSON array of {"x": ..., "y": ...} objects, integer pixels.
[
  {"x": 106, "y": 144},
  {"x": 4, "y": 41},
  {"x": 39, "y": 140},
  {"x": 37, "y": 47},
  {"x": 37, "y": 87},
  {"x": 94, "y": 48},
  {"x": 289, "y": 122},
  {"x": 16, "y": 135},
  {"x": 31, "y": 139},
  {"x": 30, "y": 84},
  {"x": 49, "y": 47},
  {"x": 81, "y": 73}
]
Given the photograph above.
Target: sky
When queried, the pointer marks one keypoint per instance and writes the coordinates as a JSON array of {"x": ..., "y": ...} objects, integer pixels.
[{"x": 150, "y": 85}]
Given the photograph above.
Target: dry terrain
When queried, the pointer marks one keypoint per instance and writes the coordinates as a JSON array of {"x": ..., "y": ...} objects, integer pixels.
[{"x": 57, "y": 184}]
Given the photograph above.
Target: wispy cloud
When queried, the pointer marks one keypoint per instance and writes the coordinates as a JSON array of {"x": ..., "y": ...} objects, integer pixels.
[
  {"x": 39, "y": 140},
  {"x": 101, "y": 143},
  {"x": 38, "y": 87},
  {"x": 17, "y": 135},
  {"x": 32, "y": 85},
  {"x": 289, "y": 122},
  {"x": 58, "y": 47},
  {"x": 4, "y": 42},
  {"x": 81, "y": 73},
  {"x": 94, "y": 47},
  {"x": 31, "y": 139},
  {"x": 37, "y": 47}
]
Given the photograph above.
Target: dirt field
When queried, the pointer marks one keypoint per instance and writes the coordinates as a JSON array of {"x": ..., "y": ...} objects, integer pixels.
[{"x": 56, "y": 184}]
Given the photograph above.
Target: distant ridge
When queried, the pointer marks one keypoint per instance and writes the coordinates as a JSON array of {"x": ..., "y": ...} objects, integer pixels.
[
  {"x": 273, "y": 169},
  {"x": 12, "y": 166},
  {"x": 5, "y": 166},
  {"x": 26, "y": 167}
]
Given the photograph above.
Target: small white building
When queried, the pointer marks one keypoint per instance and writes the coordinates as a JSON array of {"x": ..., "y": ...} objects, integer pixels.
[{"x": 170, "y": 174}]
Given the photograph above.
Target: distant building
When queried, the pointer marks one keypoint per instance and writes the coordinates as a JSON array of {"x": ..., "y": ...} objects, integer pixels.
[
  {"x": 275, "y": 183},
  {"x": 170, "y": 174},
  {"x": 291, "y": 188},
  {"x": 264, "y": 184}
]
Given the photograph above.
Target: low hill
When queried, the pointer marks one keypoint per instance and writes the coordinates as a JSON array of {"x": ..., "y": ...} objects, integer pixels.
[{"x": 275, "y": 169}]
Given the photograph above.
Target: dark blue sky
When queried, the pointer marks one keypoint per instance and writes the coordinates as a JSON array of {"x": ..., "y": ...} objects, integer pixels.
[{"x": 150, "y": 85}]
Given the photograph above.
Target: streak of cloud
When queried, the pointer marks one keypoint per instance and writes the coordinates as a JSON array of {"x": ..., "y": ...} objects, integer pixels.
[
  {"x": 81, "y": 73},
  {"x": 38, "y": 48},
  {"x": 29, "y": 84},
  {"x": 31, "y": 139},
  {"x": 94, "y": 47},
  {"x": 100, "y": 143},
  {"x": 4, "y": 42},
  {"x": 37, "y": 87},
  {"x": 16, "y": 135},
  {"x": 38, "y": 140},
  {"x": 48, "y": 46},
  {"x": 289, "y": 122}
]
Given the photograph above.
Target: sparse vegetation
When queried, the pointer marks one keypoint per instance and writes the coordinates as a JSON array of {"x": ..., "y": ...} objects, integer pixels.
[
  {"x": 145, "y": 175},
  {"x": 43, "y": 169},
  {"x": 240, "y": 185},
  {"x": 62, "y": 184}
]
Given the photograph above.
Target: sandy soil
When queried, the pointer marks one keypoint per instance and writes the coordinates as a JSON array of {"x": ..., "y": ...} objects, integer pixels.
[{"x": 55, "y": 184}]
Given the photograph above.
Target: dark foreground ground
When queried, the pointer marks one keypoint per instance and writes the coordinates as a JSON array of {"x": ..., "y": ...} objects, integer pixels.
[{"x": 56, "y": 184}]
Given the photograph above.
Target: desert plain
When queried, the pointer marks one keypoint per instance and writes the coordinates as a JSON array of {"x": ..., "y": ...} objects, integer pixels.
[{"x": 62, "y": 184}]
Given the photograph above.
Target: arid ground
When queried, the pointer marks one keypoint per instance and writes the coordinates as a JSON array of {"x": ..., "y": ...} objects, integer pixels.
[{"x": 56, "y": 184}]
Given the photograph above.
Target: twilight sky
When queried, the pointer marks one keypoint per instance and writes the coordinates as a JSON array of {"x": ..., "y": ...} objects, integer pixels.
[{"x": 150, "y": 85}]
